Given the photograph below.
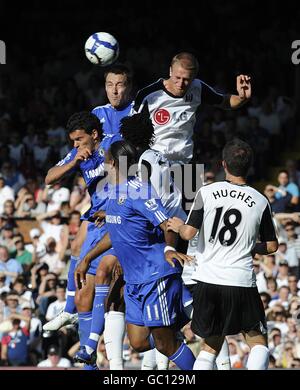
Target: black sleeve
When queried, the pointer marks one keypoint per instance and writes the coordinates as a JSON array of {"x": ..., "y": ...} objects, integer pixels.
[
  {"x": 195, "y": 217},
  {"x": 210, "y": 96},
  {"x": 267, "y": 229}
]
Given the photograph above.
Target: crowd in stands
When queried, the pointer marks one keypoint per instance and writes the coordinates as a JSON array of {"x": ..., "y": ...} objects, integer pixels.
[{"x": 38, "y": 223}]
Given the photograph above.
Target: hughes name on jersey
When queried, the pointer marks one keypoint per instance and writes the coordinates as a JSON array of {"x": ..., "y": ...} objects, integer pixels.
[
  {"x": 174, "y": 117},
  {"x": 230, "y": 219}
]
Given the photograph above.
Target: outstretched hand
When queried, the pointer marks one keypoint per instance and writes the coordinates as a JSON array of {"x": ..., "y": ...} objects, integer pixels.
[
  {"x": 243, "y": 86},
  {"x": 181, "y": 257}
]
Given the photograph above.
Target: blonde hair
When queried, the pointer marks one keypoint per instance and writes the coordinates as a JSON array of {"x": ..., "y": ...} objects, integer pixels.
[{"x": 187, "y": 61}]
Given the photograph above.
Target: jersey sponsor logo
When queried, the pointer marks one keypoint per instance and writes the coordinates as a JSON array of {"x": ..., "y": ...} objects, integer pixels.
[
  {"x": 115, "y": 219},
  {"x": 151, "y": 204},
  {"x": 121, "y": 200},
  {"x": 162, "y": 116},
  {"x": 95, "y": 172}
]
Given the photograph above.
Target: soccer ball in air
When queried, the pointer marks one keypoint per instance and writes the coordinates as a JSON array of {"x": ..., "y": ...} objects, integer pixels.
[{"x": 101, "y": 49}]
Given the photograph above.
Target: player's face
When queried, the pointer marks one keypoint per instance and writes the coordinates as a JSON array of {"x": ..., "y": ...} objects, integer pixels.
[
  {"x": 117, "y": 89},
  {"x": 81, "y": 139},
  {"x": 180, "y": 79}
]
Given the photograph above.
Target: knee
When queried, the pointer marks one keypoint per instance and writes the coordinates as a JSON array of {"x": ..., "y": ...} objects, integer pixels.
[
  {"x": 83, "y": 301},
  {"x": 166, "y": 346},
  {"x": 103, "y": 276},
  {"x": 139, "y": 345}
]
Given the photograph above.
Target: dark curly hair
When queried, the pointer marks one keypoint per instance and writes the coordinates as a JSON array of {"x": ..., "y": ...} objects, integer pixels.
[
  {"x": 123, "y": 149},
  {"x": 86, "y": 121},
  {"x": 138, "y": 130}
]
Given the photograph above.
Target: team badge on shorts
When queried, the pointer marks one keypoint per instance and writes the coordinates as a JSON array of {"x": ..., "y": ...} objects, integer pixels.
[
  {"x": 121, "y": 200},
  {"x": 101, "y": 152}
]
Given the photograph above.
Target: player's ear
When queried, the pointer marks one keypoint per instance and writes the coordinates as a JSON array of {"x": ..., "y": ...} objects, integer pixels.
[
  {"x": 224, "y": 164},
  {"x": 95, "y": 134}
]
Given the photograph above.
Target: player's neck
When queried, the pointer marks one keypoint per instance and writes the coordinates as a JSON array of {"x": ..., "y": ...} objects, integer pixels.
[{"x": 239, "y": 180}]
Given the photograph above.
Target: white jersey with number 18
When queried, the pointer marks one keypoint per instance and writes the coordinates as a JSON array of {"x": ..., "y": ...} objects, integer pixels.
[{"x": 230, "y": 219}]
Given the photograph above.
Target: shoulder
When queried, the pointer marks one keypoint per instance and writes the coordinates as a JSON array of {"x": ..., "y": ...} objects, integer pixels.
[
  {"x": 147, "y": 91},
  {"x": 100, "y": 109},
  {"x": 152, "y": 156}
]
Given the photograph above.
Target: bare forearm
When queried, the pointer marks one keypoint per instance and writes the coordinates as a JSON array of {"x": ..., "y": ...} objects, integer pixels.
[{"x": 56, "y": 173}]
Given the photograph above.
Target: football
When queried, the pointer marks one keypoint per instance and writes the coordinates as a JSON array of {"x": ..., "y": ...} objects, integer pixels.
[{"x": 101, "y": 49}]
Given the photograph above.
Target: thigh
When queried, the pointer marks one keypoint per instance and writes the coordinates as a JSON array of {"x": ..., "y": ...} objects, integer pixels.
[
  {"x": 138, "y": 337},
  {"x": 254, "y": 337}
]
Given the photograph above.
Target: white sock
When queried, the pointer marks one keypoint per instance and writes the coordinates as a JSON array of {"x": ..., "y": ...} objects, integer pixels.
[
  {"x": 223, "y": 360},
  {"x": 258, "y": 358},
  {"x": 149, "y": 360},
  {"x": 204, "y": 361},
  {"x": 162, "y": 361},
  {"x": 114, "y": 332}
]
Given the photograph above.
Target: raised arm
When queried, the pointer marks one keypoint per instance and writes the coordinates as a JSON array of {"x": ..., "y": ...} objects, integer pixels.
[{"x": 66, "y": 165}]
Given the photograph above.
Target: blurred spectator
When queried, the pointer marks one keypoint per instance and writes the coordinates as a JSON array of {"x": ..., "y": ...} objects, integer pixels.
[
  {"x": 7, "y": 238},
  {"x": 42, "y": 153},
  {"x": 13, "y": 178},
  {"x": 10, "y": 268},
  {"x": 6, "y": 193},
  {"x": 24, "y": 294},
  {"x": 9, "y": 209},
  {"x": 236, "y": 354},
  {"x": 55, "y": 196},
  {"x": 56, "y": 230},
  {"x": 23, "y": 256},
  {"x": 52, "y": 258},
  {"x": 282, "y": 276},
  {"x": 285, "y": 186},
  {"x": 37, "y": 248},
  {"x": 278, "y": 205},
  {"x": 35, "y": 332},
  {"x": 289, "y": 254},
  {"x": 57, "y": 306},
  {"x": 283, "y": 298},
  {"x": 16, "y": 149},
  {"x": 28, "y": 207},
  {"x": 14, "y": 344},
  {"x": 54, "y": 359},
  {"x": 294, "y": 289}
]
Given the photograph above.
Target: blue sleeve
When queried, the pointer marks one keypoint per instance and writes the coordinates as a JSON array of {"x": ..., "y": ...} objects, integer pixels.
[
  {"x": 68, "y": 158},
  {"x": 150, "y": 207},
  {"x": 293, "y": 189}
]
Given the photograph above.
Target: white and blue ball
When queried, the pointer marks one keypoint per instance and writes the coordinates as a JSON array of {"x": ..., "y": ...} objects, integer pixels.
[{"x": 101, "y": 49}]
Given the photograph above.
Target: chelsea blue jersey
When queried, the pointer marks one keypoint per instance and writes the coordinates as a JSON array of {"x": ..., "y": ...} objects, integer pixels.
[
  {"x": 92, "y": 171},
  {"x": 110, "y": 117},
  {"x": 133, "y": 216}
]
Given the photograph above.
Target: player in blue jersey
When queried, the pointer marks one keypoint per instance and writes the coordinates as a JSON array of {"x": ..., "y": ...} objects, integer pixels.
[
  {"x": 153, "y": 287},
  {"x": 87, "y": 156},
  {"x": 118, "y": 87}
]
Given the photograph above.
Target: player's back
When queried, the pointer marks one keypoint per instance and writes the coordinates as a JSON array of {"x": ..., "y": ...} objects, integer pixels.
[
  {"x": 162, "y": 182},
  {"x": 232, "y": 218}
]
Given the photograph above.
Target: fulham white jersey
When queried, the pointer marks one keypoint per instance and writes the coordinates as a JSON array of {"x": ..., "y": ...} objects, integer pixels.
[
  {"x": 174, "y": 117},
  {"x": 158, "y": 171},
  {"x": 230, "y": 219}
]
